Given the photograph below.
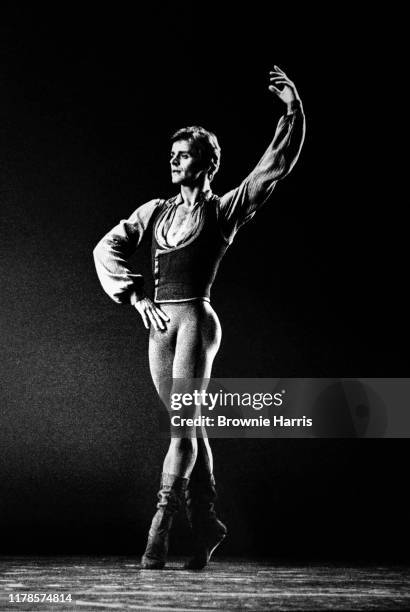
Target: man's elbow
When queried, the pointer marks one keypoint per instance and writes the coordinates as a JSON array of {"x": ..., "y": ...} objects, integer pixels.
[
  {"x": 98, "y": 251},
  {"x": 286, "y": 167}
]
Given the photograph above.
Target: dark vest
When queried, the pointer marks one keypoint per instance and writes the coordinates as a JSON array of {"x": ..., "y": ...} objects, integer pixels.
[{"x": 186, "y": 272}]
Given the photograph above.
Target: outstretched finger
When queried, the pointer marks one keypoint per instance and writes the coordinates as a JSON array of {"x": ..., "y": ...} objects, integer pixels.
[
  {"x": 279, "y": 77},
  {"x": 152, "y": 319},
  {"x": 281, "y": 82},
  {"x": 158, "y": 324},
  {"x": 274, "y": 89},
  {"x": 162, "y": 314},
  {"x": 278, "y": 69},
  {"x": 144, "y": 318}
]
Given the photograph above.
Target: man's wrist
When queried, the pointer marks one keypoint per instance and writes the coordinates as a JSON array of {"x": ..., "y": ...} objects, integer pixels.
[{"x": 294, "y": 106}]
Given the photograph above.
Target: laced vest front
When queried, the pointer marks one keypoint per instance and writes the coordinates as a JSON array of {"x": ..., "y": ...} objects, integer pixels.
[{"x": 187, "y": 271}]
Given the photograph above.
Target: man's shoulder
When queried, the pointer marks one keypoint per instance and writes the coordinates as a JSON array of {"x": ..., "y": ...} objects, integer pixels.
[
  {"x": 170, "y": 200},
  {"x": 145, "y": 211}
]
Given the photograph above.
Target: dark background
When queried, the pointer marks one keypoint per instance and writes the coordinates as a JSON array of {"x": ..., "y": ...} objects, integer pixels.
[{"x": 312, "y": 287}]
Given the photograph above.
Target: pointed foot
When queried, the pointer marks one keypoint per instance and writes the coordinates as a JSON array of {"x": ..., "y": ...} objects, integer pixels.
[{"x": 203, "y": 554}]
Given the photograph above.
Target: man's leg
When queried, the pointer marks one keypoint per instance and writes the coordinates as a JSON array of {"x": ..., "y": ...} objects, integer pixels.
[
  {"x": 205, "y": 462},
  {"x": 198, "y": 341},
  {"x": 173, "y": 486},
  {"x": 192, "y": 366},
  {"x": 189, "y": 344}
]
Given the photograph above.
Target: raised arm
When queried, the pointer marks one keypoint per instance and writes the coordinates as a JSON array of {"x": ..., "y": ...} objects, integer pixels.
[{"x": 239, "y": 205}]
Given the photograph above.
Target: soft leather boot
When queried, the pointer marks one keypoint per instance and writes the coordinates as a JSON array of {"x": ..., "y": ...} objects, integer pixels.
[
  {"x": 170, "y": 499},
  {"x": 207, "y": 530}
]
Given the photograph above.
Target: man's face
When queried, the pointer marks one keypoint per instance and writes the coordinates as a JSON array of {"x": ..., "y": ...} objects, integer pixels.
[{"x": 185, "y": 163}]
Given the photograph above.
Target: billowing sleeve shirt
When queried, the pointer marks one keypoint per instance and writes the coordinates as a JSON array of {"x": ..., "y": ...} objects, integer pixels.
[
  {"x": 239, "y": 205},
  {"x": 235, "y": 208},
  {"x": 113, "y": 251}
]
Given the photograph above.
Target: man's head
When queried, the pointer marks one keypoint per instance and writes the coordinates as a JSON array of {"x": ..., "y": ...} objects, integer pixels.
[{"x": 195, "y": 152}]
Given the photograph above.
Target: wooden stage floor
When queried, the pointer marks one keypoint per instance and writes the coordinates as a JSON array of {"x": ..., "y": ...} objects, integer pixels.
[{"x": 117, "y": 583}]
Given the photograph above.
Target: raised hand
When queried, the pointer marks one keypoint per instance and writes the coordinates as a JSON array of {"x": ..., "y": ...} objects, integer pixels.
[
  {"x": 151, "y": 314},
  {"x": 282, "y": 86}
]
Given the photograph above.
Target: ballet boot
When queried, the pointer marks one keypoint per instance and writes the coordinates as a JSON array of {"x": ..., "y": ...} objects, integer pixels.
[
  {"x": 207, "y": 530},
  {"x": 170, "y": 500}
]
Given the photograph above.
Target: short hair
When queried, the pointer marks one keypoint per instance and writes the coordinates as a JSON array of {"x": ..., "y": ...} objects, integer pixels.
[{"x": 206, "y": 145}]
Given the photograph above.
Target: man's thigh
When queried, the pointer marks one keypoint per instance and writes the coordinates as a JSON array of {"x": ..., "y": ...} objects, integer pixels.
[{"x": 161, "y": 359}]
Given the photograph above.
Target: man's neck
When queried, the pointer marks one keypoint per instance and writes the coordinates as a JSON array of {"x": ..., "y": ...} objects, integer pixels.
[{"x": 191, "y": 194}]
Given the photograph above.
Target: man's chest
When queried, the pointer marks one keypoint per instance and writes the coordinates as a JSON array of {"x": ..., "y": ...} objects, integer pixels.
[{"x": 182, "y": 222}]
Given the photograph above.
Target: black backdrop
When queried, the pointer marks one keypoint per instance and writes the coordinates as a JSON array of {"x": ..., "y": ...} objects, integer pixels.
[{"x": 89, "y": 98}]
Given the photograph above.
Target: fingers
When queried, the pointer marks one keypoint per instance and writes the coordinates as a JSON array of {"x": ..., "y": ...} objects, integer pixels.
[
  {"x": 281, "y": 85},
  {"x": 274, "y": 82},
  {"x": 159, "y": 316},
  {"x": 281, "y": 82},
  {"x": 156, "y": 319},
  {"x": 144, "y": 318},
  {"x": 279, "y": 78},
  {"x": 162, "y": 314},
  {"x": 277, "y": 69},
  {"x": 278, "y": 74},
  {"x": 151, "y": 314}
]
